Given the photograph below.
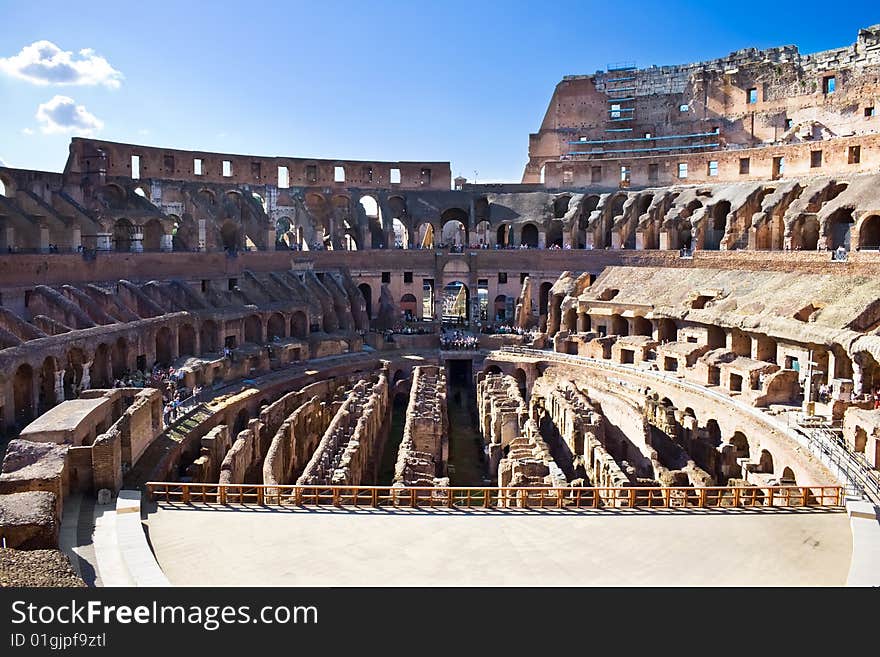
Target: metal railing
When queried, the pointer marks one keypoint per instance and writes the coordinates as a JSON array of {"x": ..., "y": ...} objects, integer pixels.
[
  {"x": 861, "y": 480},
  {"x": 677, "y": 497}
]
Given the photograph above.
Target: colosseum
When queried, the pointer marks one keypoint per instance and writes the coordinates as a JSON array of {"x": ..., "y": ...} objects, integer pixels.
[{"x": 663, "y": 342}]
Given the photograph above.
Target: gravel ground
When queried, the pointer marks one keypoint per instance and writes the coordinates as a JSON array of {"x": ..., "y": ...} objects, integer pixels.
[{"x": 34, "y": 568}]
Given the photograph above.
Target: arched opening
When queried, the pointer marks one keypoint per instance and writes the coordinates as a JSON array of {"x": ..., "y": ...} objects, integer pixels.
[
  {"x": 740, "y": 343},
  {"x": 809, "y": 233},
  {"x": 619, "y": 325},
  {"x": 560, "y": 206},
  {"x": 401, "y": 234},
  {"x": 101, "y": 369},
  {"x": 482, "y": 231},
  {"x": 544, "y": 303},
  {"x": 253, "y": 329},
  {"x": 275, "y": 327},
  {"x": 740, "y": 444},
  {"x": 493, "y": 369},
  {"x": 667, "y": 330},
  {"x": 766, "y": 462},
  {"x": 500, "y": 308},
  {"x": 185, "y": 234},
  {"x": 367, "y": 293},
  {"x": 455, "y": 303},
  {"x": 788, "y": 478},
  {"x": 186, "y": 340},
  {"x": 73, "y": 373},
  {"x": 717, "y": 226},
  {"x": 588, "y": 205},
  {"x": 119, "y": 358},
  {"x": 209, "y": 336},
  {"x": 23, "y": 394},
  {"x": 299, "y": 325},
  {"x": 2, "y": 188},
  {"x": 153, "y": 233},
  {"x": 454, "y": 227},
  {"x": 47, "y": 385},
  {"x": 229, "y": 236},
  {"x": 641, "y": 326},
  {"x": 122, "y": 230},
  {"x": 163, "y": 346},
  {"x": 554, "y": 234},
  {"x": 425, "y": 234},
  {"x": 713, "y": 433},
  {"x": 685, "y": 236},
  {"x": 408, "y": 307},
  {"x": 840, "y": 225},
  {"x": 529, "y": 236},
  {"x": 869, "y": 234},
  {"x": 241, "y": 422},
  {"x": 349, "y": 242},
  {"x": 521, "y": 381}
]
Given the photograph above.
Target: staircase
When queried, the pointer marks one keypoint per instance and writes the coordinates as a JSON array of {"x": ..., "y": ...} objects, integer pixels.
[{"x": 167, "y": 442}]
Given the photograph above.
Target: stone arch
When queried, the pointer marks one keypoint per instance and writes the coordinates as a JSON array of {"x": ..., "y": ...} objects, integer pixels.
[
  {"x": 529, "y": 235},
  {"x": 153, "y": 233},
  {"x": 667, "y": 330},
  {"x": 186, "y": 340},
  {"x": 241, "y": 422},
  {"x": 492, "y": 369},
  {"x": 502, "y": 236},
  {"x": 299, "y": 325},
  {"x": 588, "y": 205},
  {"x": 185, "y": 234},
  {"x": 119, "y": 358},
  {"x": 367, "y": 294},
  {"x": 275, "y": 327},
  {"x": 716, "y": 227},
  {"x": 230, "y": 236},
  {"x": 454, "y": 227},
  {"x": 482, "y": 231},
  {"x": 839, "y": 228},
  {"x": 554, "y": 234},
  {"x": 122, "y": 229},
  {"x": 455, "y": 302},
  {"x": 101, "y": 372},
  {"x": 47, "y": 384},
  {"x": 522, "y": 381},
  {"x": 765, "y": 462},
  {"x": 805, "y": 235},
  {"x": 869, "y": 233},
  {"x": 560, "y": 205},
  {"x": 6, "y": 186},
  {"x": 253, "y": 329},
  {"x": 209, "y": 336},
  {"x": 787, "y": 478},
  {"x": 713, "y": 433},
  {"x": 401, "y": 234},
  {"x": 23, "y": 394},
  {"x": 164, "y": 354},
  {"x": 499, "y": 308}
]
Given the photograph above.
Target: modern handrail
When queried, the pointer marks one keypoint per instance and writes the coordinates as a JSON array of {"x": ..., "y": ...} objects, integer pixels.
[{"x": 669, "y": 497}]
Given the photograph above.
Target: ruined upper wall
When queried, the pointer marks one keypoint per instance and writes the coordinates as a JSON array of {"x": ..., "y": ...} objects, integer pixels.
[
  {"x": 751, "y": 98},
  {"x": 100, "y": 159}
]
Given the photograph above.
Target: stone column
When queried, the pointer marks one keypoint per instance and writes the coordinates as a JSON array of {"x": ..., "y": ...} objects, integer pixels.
[
  {"x": 270, "y": 239},
  {"x": 858, "y": 376},
  {"x": 59, "y": 386},
  {"x": 137, "y": 239},
  {"x": 664, "y": 240},
  {"x": 86, "y": 381},
  {"x": 104, "y": 241},
  {"x": 44, "y": 239},
  {"x": 167, "y": 242},
  {"x": 582, "y": 320}
]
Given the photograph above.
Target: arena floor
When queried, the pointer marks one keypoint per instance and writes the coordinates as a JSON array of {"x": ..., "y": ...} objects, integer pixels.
[{"x": 310, "y": 547}]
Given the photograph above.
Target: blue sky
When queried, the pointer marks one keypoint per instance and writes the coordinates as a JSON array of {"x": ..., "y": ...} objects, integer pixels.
[{"x": 460, "y": 81}]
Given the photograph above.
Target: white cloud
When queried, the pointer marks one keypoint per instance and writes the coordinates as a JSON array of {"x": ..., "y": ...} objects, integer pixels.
[
  {"x": 27, "y": 131},
  {"x": 44, "y": 63},
  {"x": 62, "y": 114}
]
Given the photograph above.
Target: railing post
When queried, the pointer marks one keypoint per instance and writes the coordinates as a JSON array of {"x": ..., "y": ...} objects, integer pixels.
[
  {"x": 559, "y": 498},
  {"x": 297, "y": 496},
  {"x": 260, "y": 495},
  {"x": 702, "y": 502},
  {"x": 736, "y": 496},
  {"x": 449, "y": 498},
  {"x": 770, "y": 493},
  {"x": 374, "y": 498},
  {"x": 221, "y": 494},
  {"x": 412, "y": 498},
  {"x": 185, "y": 494},
  {"x": 840, "y": 496},
  {"x": 632, "y": 498},
  {"x": 486, "y": 493}
]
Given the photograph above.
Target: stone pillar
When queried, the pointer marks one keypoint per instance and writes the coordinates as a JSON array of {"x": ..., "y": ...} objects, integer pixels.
[
  {"x": 75, "y": 238},
  {"x": 857, "y": 377},
  {"x": 589, "y": 239},
  {"x": 10, "y": 241},
  {"x": 137, "y": 239},
  {"x": 270, "y": 239},
  {"x": 640, "y": 240},
  {"x": 167, "y": 242},
  {"x": 664, "y": 240},
  {"x": 542, "y": 239},
  {"x": 86, "y": 381},
  {"x": 44, "y": 239},
  {"x": 59, "y": 386},
  {"x": 104, "y": 241},
  {"x": 202, "y": 235},
  {"x": 582, "y": 320}
]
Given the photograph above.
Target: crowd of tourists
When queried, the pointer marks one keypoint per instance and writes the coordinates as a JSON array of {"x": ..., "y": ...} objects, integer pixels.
[{"x": 458, "y": 341}]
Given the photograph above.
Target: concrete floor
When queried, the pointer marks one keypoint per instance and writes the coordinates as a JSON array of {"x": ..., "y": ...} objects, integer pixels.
[{"x": 297, "y": 547}]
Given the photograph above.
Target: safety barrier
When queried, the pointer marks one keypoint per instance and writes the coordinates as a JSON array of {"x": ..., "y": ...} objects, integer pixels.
[{"x": 672, "y": 497}]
